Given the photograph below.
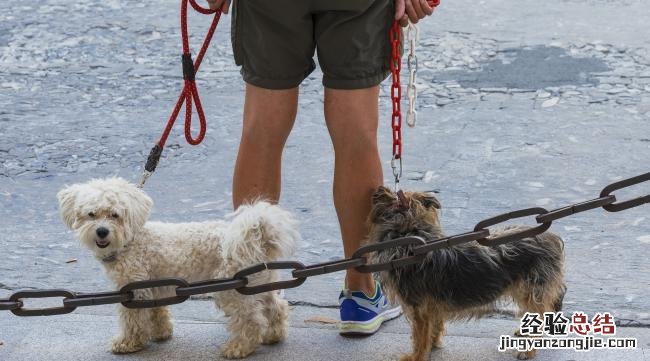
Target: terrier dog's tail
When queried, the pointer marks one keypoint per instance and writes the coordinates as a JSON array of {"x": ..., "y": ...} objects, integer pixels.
[{"x": 260, "y": 232}]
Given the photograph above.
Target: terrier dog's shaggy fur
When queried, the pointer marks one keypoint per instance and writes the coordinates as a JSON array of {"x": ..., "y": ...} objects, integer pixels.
[
  {"x": 109, "y": 216},
  {"x": 464, "y": 281}
]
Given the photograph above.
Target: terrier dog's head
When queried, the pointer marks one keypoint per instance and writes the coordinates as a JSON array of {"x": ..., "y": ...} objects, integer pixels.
[
  {"x": 105, "y": 214},
  {"x": 403, "y": 213}
]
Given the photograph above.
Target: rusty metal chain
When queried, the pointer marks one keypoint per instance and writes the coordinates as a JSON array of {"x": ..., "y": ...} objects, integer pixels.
[{"x": 418, "y": 250}]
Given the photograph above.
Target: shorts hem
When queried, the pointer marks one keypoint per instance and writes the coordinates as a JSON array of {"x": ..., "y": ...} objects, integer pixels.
[
  {"x": 275, "y": 83},
  {"x": 358, "y": 83}
]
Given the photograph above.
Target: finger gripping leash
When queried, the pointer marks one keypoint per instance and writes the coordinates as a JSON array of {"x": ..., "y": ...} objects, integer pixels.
[{"x": 189, "y": 94}]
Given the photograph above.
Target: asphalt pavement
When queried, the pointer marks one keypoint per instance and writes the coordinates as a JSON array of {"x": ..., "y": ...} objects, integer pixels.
[{"x": 522, "y": 103}]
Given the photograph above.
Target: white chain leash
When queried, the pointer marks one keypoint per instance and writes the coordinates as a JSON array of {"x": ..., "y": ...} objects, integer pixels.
[{"x": 412, "y": 38}]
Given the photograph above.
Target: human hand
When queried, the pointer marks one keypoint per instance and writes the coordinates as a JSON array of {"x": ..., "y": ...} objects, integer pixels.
[
  {"x": 222, "y": 5},
  {"x": 413, "y": 10}
]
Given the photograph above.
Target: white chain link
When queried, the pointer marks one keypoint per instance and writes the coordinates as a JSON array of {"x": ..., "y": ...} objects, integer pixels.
[{"x": 412, "y": 38}]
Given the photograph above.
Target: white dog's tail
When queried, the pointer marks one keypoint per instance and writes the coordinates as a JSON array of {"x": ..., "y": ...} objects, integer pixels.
[{"x": 260, "y": 232}]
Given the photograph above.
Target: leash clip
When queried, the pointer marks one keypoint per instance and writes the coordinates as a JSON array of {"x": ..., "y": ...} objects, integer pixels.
[
  {"x": 145, "y": 178},
  {"x": 152, "y": 163},
  {"x": 397, "y": 170}
]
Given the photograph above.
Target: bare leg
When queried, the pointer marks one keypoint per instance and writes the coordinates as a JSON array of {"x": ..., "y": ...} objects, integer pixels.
[
  {"x": 352, "y": 117},
  {"x": 268, "y": 118}
]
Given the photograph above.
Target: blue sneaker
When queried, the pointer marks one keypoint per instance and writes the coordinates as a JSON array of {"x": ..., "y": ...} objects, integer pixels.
[{"x": 363, "y": 315}]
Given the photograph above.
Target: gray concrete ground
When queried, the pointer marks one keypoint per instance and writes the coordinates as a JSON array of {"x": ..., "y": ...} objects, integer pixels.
[
  {"x": 199, "y": 331},
  {"x": 522, "y": 103}
]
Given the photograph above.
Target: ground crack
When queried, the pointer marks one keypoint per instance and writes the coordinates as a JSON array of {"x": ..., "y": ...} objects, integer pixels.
[{"x": 310, "y": 304}]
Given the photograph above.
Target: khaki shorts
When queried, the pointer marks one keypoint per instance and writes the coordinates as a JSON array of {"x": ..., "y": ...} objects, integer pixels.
[{"x": 274, "y": 41}]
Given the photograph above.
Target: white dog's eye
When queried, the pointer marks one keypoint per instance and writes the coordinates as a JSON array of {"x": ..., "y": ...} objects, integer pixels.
[
  {"x": 91, "y": 214},
  {"x": 115, "y": 215}
]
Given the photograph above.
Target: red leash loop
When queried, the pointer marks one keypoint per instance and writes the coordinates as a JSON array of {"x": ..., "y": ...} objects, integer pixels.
[{"x": 190, "y": 93}]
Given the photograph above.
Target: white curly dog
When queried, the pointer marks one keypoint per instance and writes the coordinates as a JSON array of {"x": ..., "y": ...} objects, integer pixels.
[{"x": 109, "y": 216}]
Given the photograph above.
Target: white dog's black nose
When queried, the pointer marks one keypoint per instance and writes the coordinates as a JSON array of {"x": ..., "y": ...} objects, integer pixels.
[{"x": 102, "y": 232}]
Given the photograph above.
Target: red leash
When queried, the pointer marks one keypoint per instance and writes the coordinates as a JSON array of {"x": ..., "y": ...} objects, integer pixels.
[{"x": 189, "y": 93}]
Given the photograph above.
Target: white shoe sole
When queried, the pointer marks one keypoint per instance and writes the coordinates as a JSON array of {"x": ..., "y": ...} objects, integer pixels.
[{"x": 350, "y": 328}]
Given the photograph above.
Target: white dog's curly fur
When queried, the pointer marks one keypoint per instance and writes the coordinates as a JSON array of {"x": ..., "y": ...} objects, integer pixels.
[{"x": 109, "y": 216}]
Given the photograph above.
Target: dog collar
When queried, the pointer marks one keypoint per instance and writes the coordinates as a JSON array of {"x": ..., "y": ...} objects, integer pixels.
[{"x": 110, "y": 258}]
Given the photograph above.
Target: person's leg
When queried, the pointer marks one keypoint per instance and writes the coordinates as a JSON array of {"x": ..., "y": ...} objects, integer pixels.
[
  {"x": 352, "y": 118},
  {"x": 268, "y": 118}
]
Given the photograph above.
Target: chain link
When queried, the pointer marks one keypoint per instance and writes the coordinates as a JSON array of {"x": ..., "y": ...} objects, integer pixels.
[
  {"x": 531, "y": 232},
  {"x": 272, "y": 286},
  {"x": 211, "y": 286},
  {"x": 134, "y": 302},
  {"x": 418, "y": 250},
  {"x": 29, "y": 294},
  {"x": 635, "y": 202},
  {"x": 412, "y": 38},
  {"x": 329, "y": 267},
  {"x": 396, "y": 98},
  {"x": 575, "y": 208},
  {"x": 9, "y": 305},
  {"x": 96, "y": 299},
  {"x": 382, "y": 246}
]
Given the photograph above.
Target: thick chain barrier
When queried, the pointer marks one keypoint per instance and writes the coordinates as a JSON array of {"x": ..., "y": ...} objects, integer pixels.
[{"x": 419, "y": 248}]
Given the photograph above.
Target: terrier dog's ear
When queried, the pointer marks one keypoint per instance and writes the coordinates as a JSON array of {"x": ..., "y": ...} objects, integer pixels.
[
  {"x": 383, "y": 195},
  {"x": 429, "y": 200},
  {"x": 67, "y": 198}
]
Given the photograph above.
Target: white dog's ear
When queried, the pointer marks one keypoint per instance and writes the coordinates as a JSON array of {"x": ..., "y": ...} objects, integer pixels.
[
  {"x": 67, "y": 198},
  {"x": 138, "y": 207}
]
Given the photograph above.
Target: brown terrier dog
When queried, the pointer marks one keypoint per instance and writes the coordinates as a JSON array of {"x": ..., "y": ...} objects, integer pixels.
[{"x": 464, "y": 281}]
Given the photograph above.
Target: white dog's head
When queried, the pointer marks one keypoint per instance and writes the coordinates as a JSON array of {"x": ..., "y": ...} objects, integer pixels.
[{"x": 105, "y": 214}]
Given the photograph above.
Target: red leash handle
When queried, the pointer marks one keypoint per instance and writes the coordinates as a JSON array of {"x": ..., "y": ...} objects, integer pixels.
[{"x": 190, "y": 92}]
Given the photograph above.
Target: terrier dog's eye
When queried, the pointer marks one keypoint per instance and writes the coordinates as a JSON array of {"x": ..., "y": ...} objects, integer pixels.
[
  {"x": 115, "y": 215},
  {"x": 91, "y": 214}
]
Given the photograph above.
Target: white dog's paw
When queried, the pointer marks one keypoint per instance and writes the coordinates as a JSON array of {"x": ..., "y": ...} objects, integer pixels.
[
  {"x": 127, "y": 345},
  {"x": 234, "y": 349},
  {"x": 163, "y": 334},
  {"x": 274, "y": 335}
]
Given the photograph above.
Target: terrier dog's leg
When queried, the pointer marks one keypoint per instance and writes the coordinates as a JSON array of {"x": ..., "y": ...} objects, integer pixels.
[
  {"x": 421, "y": 333},
  {"x": 246, "y": 323},
  {"x": 136, "y": 327},
  {"x": 438, "y": 329},
  {"x": 161, "y": 320},
  {"x": 276, "y": 311},
  {"x": 537, "y": 299}
]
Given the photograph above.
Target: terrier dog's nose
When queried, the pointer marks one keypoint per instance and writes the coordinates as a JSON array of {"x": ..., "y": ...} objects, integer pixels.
[{"x": 102, "y": 232}]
